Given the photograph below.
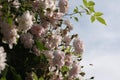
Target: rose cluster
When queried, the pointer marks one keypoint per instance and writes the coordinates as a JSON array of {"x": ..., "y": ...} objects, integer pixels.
[{"x": 39, "y": 27}]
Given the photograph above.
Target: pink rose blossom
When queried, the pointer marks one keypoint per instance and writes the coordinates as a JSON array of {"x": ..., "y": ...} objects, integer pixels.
[
  {"x": 63, "y": 5},
  {"x": 57, "y": 76},
  {"x": 57, "y": 16},
  {"x": 9, "y": 34},
  {"x": 54, "y": 41},
  {"x": 49, "y": 54},
  {"x": 54, "y": 19},
  {"x": 68, "y": 24},
  {"x": 2, "y": 59},
  {"x": 78, "y": 46},
  {"x": 76, "y": 69},
  {"x": 27, "y": 40},
  {"x": 58, "y": 59},
  {"x": 68, "y": 59},
  {"x": 36, "y": 4},
  {"x": 36, "y": 51},
  {"x": 67, "y": 40},
  {"x": 45, "y": 24},
  {"x": 48, "y": 6},
  {"x": 37, "y": 30},
  {"x": 16, "y": 3},
  {"x": 25, "y": 22}
]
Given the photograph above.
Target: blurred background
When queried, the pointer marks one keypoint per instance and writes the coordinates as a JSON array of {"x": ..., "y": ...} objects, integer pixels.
[{"x": 102, "y": 43}]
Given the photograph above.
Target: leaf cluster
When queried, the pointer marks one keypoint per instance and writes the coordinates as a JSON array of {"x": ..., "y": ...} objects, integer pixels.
[{"x": 89, "y": 8}]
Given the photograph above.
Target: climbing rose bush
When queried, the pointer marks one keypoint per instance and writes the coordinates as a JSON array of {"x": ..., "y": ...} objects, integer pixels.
[{"x": 35, "y": 43}]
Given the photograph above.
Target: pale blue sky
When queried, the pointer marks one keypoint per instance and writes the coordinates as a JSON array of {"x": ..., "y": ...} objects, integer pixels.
[{"x": 102, "y": 44}]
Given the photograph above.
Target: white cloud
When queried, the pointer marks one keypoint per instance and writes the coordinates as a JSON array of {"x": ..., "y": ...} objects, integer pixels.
[
  {"x": 105, "y": 66},
  {"x": 102, "y": 43}
]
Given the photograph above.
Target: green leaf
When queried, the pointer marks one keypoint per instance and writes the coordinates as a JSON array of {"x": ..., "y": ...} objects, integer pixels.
[
  {"x": 34, "y": 76},
  {"x": 76, "y": 19},
  {"x": 4, "y": 72},
  {"x": 43, "y": 58},
  {"x": 9, "y": 21},
  {"x": 80, "y": 14},
  {"x": 40, "y": 45},
  {"x": 76, "y": 10},
  {"x": 91, "y": 9},
  {"x": 18, "y": 77},
  {"x": 85, "y": 3},
  {"x": 91, "y": 3},
  {"x": 67, "y": 50},
  {"x": 82, "y": 74},
  {"x": 87, "y": 11},
  {"x": 15, "y": 75},
  {"x": 3, "y": 78},
  {"x": 101, "y": 20},
  {"x": 98, "y": 14},
  {"x": 64, "y": 69},
  {"x": 77, "y": 79},
  {"x": 92, "y": 19},
  {"x": 41, "y": 78}
]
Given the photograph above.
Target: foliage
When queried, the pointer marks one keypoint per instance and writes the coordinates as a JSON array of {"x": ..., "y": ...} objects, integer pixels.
[
  {"x": 88, "y": 8},
  {"x": 35, "y": 40}
]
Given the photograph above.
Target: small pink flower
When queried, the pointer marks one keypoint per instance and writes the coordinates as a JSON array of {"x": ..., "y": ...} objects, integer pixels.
[
  {"x": 58, "y": 59},
  {"x": 68, "y": 24},
  {"x": 63, "y": 5},
  {"x": 57, "y": 76},
  {"x": 9, "y": 34},
  {"x": 27, "y": 40},
  {"x": 16, "y": 3},
  {"x": 36, "y": 4},
  {"x": 36, "y": 51},
  {"x": 25, "y": 22},
  {"x": 45, "y": 23},
  {"x": 55, "y": 19},
  {"x": 75, "y": 70},
  {"x": 48, "y": 7},
  {"x": 67, "y": 40},
  {"x": 57, "y": 15},
  {"x": 2, "y": 59},
  {"x": 68, "y": 59},
  {"x": 78, "y": 46},
  {"x": 49, "y": 54},
  {"x": 37, "y": 30},
  {"x": 54, "y": 41}
]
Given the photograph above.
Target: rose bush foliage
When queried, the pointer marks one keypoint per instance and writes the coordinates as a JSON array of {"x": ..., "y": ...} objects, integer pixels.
[{"x": 35, "y": 40}]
